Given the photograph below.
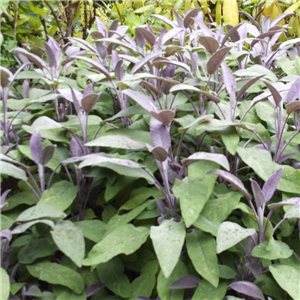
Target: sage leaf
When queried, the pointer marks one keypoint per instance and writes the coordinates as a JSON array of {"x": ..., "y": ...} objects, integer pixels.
[
  {"x": 205, "y": 291},
  {"x": 5, "y": 284}
]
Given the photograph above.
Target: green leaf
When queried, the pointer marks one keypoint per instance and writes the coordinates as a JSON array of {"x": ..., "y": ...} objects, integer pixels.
[
  {"x": 255, "y": 71},
  {"x": 23, "y": 227},
  {"x": 206, "y": 225},
  {"x": 116, "y": 141},
  {"x": 163, "y": 283},
  {"x": 5, "y": 285},
  {"x": 205, "y": 291},
  {"x": 279, "y": 250},
  {"x": 36, "y": 249},
  {"x": 193, "y": 193},
  {"x": 112, "y": 275},
  {"x": 125, "y": 239},
  {"x": 57, "y": 274},
  {"x": 293, "y": 212},
  {"x": 27, "y": 198},
  {"x": 13, "y": 171},
  {"x": 6, "y": 222},
  {"x": 39, "y": 212},
  {"x": 145, "y": 283},
  {"x": 261, "y": 162},
  {"x": 288, "y": 278},
  {"x": 66, "y": 294},
  {"x": 92, "y": 229},
  {"x": 69, "y": 239},
  {"x": 15, "y": 287},
  {"x": 143, "y": 9},
  {"x": 231, "y": 140},
  {"x": 201, "y": 249},
  {"x": 226, "y": 272},
  {"x": 60, "y": 195},
  {"x": 168, "y": 239},
  {"x": 229, "y": 234}
]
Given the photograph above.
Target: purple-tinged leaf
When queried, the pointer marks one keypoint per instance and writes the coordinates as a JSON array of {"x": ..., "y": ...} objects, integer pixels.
[
  {"x": 294, "y": 92},
  {"x": 291, "y": 201},
  {"x": 165, "y": 116},
  {"x": 216, "y": 59},
  {"x": 158, "y": 44},
  {"x": 194, "y": 61},
  {"x": 169, "y": 72},
  {"x": 143, "y": 100},
  {"x": 47, "y": 154},
  {"x": 170, "y": 34},
  {"x": 277, "y": 97},
  {"x": 232, "y": 33},
  {"x": 150, "y": 87},
  {"x": 112, "y": 42},
  {"x": 247, "y": 288},
  {"x": 31, "y": 57},
  {"x": 160, "y": 134},
  {"x": 115, "y": 58},
  {"x": 261, "y": 37},
  {"x": 6, "y": 233},
  {"x": 252, "y": 19},
  {"x": 186, "y": 87},
  {"x": 101, "y": 26},
  {"x": 88, "y": 90},
  {"x": 129, "y": 58},
  {"x": 185, "y": 282},
  {"x": 164, "y": 19},
  {"x": 36, "y": 148},
  {"x": 220, "y": 159},
  {"x": 235, "y": 36},
  {"x": 148, "y": 36},
  {"x": 178, "y": 18},
  {"x": 292, "y": 106},
  {"x": 89, "y": 101},
  {"x": 257, "y": 193},
  {"x": 209, "y": 43},
  {"x": 237, "y": 183},
  {"x": 3, "y": 196},
  {"x": 246, "y": 87},
  {"x": 93, "y": 289},
  {"x": 139, "y": 38},
  {"x": 97, "y": 35},
  {"x": 85, "y": 44},
  {"x": 229, "y": 80},
  {"x": 113, "y": 27},
  {"x": 95, "y": 65},
  {"x": 76, "y": 101},
  {"x": 76, "y": 146},
  {"x": 160, "y": 153},
  {"x": 188, "y": 18},
  {"x": 171, "y": 50},
  {"x": 144, "y": 61},
  {"x": 283, "y": 158},
  {"x": 5, "y": 77},
  {"x": 270, "y": 185},
  {"x": 279, "y": 18},
  {"x": 101, "y": 49},
  {"x": 119, "y": 70},
  {"x": 55, "y": 50}
]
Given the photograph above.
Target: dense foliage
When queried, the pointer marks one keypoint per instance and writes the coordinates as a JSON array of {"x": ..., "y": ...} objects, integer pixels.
[{"x": 153, "y": 162}]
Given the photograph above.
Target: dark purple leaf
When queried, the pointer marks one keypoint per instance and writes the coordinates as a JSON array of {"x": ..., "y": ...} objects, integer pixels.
[
  {"x": 252, "y": 19},
  {"x": 143, "y": 100},
  {"x": 233, "y": 34},
  {"x": 188, "y": 18},
  {"x": 36, "y": 148},
  {"x": 160, "y": 134},
  {"x": 160, "y": 153},
  {"x": 148, "y": 36},
  {"x": 274, "y": 92},
  {"x": 165, "y": 87},
  {"x": 97, "y": 35},
  {"x": 113, "y": 27},
  {"x": 6, "y": 233},
  {"x": 209, "y": 43},
  {"x": 254, "y": 265},
  {"x": 247, "y": 288},
  {"x": 3, "y": 196},
  {"x": 47, "y": 154},
  {"x": 185, "y": 282},
  {"x": 119, "y": 70},
  {"x": 246, "y": 87},
  {"x": 101, "y": 49},
  {"x": 144, "y": 61},
  {"x": 150, "y": 87},
  {"x": 76, "y": 146},
  {"x": 169, "y": 72},
  {"x": 216, "y": 59},
  {"x": 294, "y": 92},
  {"x": 270, "y": 185},
  {"x": 93, "y": 289},
  {"x": 89, "y": 101},
  {"x": 237, "y": 183},
  {"x": 229, "y": 80},
  {"x": 291, "y": 201},
  {"x": 139, "y": 38},
  {"x": 283, "y": 158},
  {"x": 258, "y": 194}
]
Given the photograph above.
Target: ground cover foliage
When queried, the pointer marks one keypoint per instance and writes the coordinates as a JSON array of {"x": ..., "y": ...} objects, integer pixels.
[{"x": 159, "y": 166}]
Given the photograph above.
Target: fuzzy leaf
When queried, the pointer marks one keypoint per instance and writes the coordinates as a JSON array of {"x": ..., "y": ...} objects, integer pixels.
[
  {"x": 88, "y": 102},
  {"x": 216, "y": 60},
  {"x": 185, "y": 282},
  {"x": 270, "y": 185},
  {"x": 5, "y": 284},
  {"x": 247, "y": 288},
  {"x": 205, "y": 291},
  {"x": 168, "y": 239},
  {"x": 209, "y": 43}
]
